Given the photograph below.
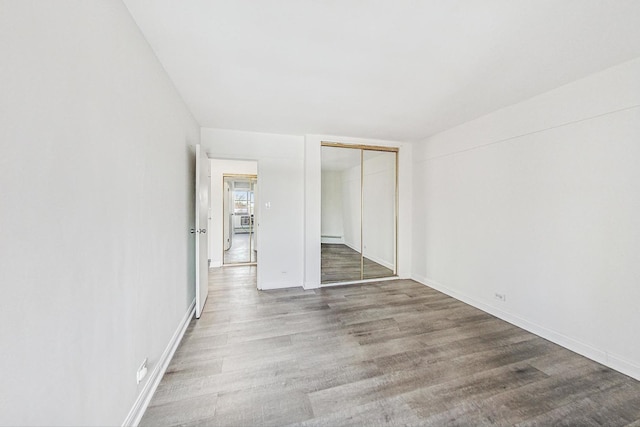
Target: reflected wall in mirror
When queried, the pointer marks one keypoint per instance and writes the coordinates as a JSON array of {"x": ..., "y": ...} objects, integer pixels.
[
  {"x": 358, "y": 218},
  {"x": 378, "y": 214}
]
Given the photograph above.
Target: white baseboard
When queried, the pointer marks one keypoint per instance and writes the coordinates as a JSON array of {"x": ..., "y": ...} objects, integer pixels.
[
  {"x": 141, "y": 403},
  {"x": 309, "y": 286},
  {"x": 601, "y": 356},
  {"x": 279, "y": 285},
  {"x": 215, "y": 264},
  {"x": 352, "y": 247},
  {"x": 360, "y": 282},
  {"x": 380, "y": 261},
  {"x": 622, "y": 365},
  {"x": 332, "y": 240}
]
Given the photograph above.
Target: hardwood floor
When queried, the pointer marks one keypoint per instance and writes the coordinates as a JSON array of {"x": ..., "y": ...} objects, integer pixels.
[
  {"x": 239, "y": 251},
  {"x": 340, "y": 263},
  {"x": 393, "y": 353}
]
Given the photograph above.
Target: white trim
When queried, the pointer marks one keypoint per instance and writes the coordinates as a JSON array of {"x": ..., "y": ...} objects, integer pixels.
[
  {"x": 333, "y": 240},
  {"x": 356, "y": 282},
  {"x": 377, "y": 260},
  {"x": 623, "y": 365},
  {"x": 614, "y": 362},
  {"x": 308, "y": 287},
  {"x": 380, "y": 261},
  {"x": 141, "y": 403},
  {"x": 277, "y": 285},
  {"x": 351, "y": 246}
]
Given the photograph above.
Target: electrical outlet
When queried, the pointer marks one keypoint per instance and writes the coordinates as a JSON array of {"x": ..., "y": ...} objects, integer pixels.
[
  {"x": 501, "y": 297},
  {"x": 142, "y": 372}
]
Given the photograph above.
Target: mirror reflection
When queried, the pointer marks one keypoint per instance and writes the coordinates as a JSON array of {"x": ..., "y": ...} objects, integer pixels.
[
  {"x": 358, "y": 219},
  {"x": 238, "y": 213},
  {"x": 378, "y": 214}
]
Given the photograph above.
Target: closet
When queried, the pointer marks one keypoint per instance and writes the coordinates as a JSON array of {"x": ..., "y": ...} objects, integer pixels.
[{"x": 359, "y": 202}]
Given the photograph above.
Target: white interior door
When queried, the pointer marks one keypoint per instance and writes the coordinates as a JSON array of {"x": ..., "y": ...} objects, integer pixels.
[{"x": 203, "y": 183}]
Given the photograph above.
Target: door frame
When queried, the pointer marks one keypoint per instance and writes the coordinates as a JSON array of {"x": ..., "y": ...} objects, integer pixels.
[
  {"x": 255, "y": 220},
  {"x": 362, "y": 148}
]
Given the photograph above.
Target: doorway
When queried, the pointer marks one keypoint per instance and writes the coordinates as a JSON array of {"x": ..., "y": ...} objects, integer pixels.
[
  {"x": 220, "y": 212},
  {"x": 239, "y": 219}
]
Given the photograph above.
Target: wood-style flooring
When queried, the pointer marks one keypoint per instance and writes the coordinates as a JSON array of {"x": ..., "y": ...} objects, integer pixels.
[
  {"x": 240, "y": 252},
  {"x": 340, "y": 263},
  {"x": 388, "y": 353}
]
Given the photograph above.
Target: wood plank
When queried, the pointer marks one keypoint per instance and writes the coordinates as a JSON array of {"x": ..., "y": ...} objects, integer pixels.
[
  {"x": 394, "y": 353},
  {"x": 340, "y": 263}
]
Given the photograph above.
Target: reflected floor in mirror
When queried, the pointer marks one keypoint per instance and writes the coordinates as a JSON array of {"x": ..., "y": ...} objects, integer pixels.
[
  {"x": 239, "y": 250},
  {"x": 340, "y": 263},
  {"x": 386, "y": 353}
]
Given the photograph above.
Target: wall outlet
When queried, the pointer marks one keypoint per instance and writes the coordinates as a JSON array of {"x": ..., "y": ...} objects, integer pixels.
[
  {"x": 500, "y": 297},
  {"x": 142, "y": 372}
]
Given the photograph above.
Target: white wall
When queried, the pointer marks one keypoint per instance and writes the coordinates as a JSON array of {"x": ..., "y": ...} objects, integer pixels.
[
  {"x": 378, "y": 206},
  {"x": 541, "y": 201},
  {"x": 218, "y": 169},
  {"x": 280, "y": 184},
  {"x": 96, "y": 175},
  {"x": 312, "y": 203},
  {"x": 332, "y": 222},
  {"x": 352, "y": 206}
]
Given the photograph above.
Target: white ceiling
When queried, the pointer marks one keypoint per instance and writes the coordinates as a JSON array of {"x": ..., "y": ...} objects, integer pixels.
[{"x": 393, "y": 69}]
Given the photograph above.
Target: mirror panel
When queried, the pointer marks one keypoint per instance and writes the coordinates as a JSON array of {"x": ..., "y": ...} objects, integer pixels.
[
  {"x": 239, "y": 235},
  {"x": 340, "y": 215},
  {"x": 379, "y": 214},
  {"x": 359, "y": 214}
]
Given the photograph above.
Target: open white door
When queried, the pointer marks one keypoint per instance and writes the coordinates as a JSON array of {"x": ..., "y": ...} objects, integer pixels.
[{"x": 203, "y": 183}]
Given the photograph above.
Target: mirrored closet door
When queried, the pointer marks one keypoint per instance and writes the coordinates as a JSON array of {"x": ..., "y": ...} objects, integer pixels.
[
  {"x": 359, "y": 212},
  {"x": 238, "y": 219}
]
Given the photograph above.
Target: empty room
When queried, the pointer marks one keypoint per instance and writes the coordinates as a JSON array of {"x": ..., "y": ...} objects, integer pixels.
[{"x": 319, "y": 213}]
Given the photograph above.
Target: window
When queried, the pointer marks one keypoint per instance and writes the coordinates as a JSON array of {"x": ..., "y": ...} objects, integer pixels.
[{"x": 243, "y": 202}]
